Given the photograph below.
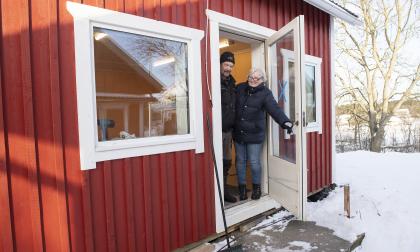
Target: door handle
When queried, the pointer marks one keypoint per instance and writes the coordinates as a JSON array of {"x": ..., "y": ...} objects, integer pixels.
[{"x": 297, "y": 122}]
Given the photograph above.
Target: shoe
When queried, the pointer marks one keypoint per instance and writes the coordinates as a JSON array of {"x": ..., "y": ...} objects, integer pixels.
[
  {"x": 229, "y": 197},
  {"x": 242, "y": 192},
  {"x": 256, "y": 191}
]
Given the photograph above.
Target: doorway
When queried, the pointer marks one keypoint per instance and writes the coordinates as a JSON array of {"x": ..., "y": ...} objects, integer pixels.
[
  {"x": 283, "y": 180},
  {"x": 248, "y": 53}
]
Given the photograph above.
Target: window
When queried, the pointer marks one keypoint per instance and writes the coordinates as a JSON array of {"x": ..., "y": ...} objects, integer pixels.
[
  {"x": 138, "y": 85},
  {"x": 312, "y": 88},
  {"x": 145, "y": 75}
]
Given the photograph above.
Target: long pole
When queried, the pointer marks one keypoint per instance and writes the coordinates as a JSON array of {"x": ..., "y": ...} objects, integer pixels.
[{"x": 218, "y": 180}]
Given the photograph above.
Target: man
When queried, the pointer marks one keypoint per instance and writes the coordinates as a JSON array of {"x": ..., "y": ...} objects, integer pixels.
[{"x": 227, "y": 84}]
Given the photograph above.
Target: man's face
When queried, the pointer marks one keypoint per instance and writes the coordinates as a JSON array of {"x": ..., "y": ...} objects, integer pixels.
[{"x": 226, "y": 68}]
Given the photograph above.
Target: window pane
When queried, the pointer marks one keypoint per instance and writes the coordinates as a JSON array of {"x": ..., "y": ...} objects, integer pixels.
[
  {"x": 310, "y": 93},
  {"x": 283, "y": 74},
  {"x": 141, "y": 85}
]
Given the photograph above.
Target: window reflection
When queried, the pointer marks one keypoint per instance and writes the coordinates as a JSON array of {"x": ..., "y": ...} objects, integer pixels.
[
  {"x": 310, "y": 93},
  {"x": 141, "y": 85},
  {"x": 291, "y": 102}
]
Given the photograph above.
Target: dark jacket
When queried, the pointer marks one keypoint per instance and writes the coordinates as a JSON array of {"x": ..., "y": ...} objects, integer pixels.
[
  {"x": 251, "y": 105},
  {"x": 228, "y": 103}
]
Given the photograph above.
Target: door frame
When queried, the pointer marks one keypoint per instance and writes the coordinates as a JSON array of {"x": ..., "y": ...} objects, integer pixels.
[{"x": 217, "y": 22}]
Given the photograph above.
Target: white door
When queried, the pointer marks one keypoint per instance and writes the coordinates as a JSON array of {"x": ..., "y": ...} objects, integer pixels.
[{"x": 286, "y": 153}]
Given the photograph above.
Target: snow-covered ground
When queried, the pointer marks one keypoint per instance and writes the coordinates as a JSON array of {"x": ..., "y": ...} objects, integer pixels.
[{"x": 384, "y": 200}]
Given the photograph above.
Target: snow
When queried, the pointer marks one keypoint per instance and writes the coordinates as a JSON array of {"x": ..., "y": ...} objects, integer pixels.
[
  {"x": 384, "y": 203},
  {"x": 299, "y": 245},
  {"x": 279, "y": 219},
  {"x": 277, "y": 222}
]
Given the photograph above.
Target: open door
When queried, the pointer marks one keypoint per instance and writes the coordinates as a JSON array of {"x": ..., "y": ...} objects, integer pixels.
[{"x": 287, "y": 153}]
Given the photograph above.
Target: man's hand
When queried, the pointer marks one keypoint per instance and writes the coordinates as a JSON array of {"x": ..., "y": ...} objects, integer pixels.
[{"x": 288, "y": 126}]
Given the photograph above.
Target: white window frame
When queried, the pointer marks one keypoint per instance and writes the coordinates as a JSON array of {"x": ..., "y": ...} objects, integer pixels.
[
  {"x": 288, "y": 56},
  {"x": 91, "y": 150}
]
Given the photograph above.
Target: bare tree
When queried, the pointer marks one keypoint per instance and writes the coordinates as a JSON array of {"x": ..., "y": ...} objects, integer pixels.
[{"x": 372, "y": 73}]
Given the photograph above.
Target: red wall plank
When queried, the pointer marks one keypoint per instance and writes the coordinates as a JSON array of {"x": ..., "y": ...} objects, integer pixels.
[
  {"x": 155, "y": 194},
  {"x": 247, "y": 10},
  {"x": 128, "y": 182},
  {"x": 109, "y": 206},
  {"x": 255, "y": 11},
  {"x": 95, "y": 180},
  {"x": 329, "y": 102},
  {"x": 148, "y": 208},
  {"x": 180, "y": 224},
  {"x": 138, "y": 199},
  {"x": 119, "y": 204},
  {"x": 19, "y": 121},
  {"x": 6, "y": 235},
  {"x": 263, "y": 8}
]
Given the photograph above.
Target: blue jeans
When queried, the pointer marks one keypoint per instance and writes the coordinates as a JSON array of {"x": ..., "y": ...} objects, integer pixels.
[{"x": 252, "y": 153}]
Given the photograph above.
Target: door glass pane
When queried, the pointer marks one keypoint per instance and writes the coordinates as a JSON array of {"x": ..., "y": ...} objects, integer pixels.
[
  {"x": 283, "y": 87},
  {"x": 141, "y": 85},
  {"x": 310, "y": 93}
]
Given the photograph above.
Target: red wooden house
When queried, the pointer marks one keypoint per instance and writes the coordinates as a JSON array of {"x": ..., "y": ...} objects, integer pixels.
[{"x": 103, "y": 105}]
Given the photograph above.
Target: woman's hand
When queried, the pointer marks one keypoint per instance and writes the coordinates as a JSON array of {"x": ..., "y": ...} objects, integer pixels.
[{"x": 288, "y": 126}]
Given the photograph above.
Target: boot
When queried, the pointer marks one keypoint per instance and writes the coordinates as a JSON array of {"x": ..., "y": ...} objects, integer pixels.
[
  {"x": 242, "y": 192},
  {"x": 256, "y": 191},
  {"x": 228, "y": 197}
]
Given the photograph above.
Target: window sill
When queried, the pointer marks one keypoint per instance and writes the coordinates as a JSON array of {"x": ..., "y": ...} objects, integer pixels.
[
  {"x": 135, "y": 148},
  {"x": 143, "y": 142}
]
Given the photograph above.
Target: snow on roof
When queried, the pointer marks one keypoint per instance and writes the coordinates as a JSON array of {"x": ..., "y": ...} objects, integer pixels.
[
  {"x": 336, "y": 10},
  {"x": 344, "y": 8}
]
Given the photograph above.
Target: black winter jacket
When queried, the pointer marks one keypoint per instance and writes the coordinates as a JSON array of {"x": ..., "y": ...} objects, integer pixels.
[
  {"x": 251, "y": 105},
  {"x": 228, "y": 103}
]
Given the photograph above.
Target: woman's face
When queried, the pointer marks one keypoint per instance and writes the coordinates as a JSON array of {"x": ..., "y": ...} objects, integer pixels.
[{"x": 255, "y": 79}]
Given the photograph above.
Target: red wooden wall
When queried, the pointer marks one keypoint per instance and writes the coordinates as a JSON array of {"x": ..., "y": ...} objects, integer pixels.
[{"x": 152, "y": 203}]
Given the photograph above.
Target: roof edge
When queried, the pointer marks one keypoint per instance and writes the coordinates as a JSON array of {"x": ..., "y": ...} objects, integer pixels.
[{"x": 336, "y": 11}]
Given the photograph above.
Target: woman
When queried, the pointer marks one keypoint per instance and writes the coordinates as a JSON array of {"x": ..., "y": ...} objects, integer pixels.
[{"x": 253, "y": 99}]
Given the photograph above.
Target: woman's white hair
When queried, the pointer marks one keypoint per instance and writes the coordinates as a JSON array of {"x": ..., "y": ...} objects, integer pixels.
[{"x": 259, "y": 71}]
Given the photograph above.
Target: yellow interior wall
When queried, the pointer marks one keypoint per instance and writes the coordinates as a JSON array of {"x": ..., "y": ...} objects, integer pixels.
[
  {"x": 243, "y": 58},
  {"x": 242, "y": 65}
]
